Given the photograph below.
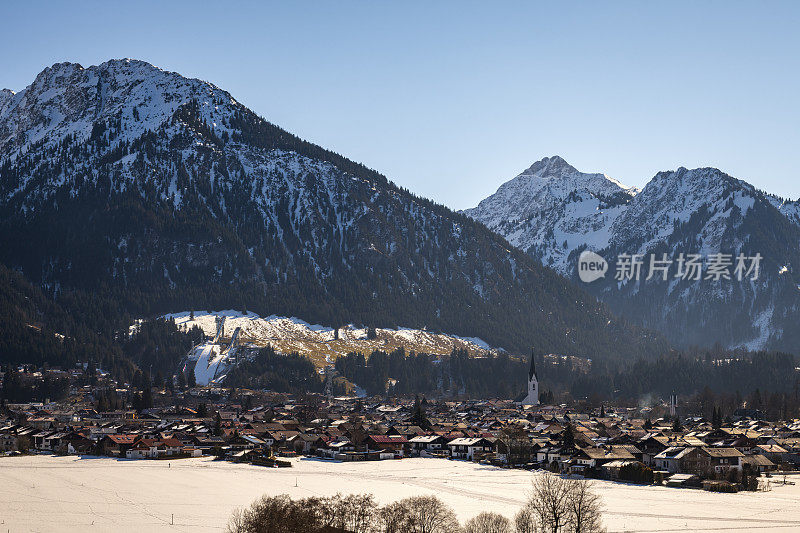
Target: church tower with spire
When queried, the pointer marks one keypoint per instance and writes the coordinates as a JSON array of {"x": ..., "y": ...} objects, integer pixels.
[{"x": 533, "y": 386}]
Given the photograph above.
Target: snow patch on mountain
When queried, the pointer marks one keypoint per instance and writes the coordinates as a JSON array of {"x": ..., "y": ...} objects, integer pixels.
[{"x": 324, "y": 343}]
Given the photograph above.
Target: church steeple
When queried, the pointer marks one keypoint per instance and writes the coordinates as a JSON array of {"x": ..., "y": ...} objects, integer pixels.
[
  {"x": 533, "y": 385},
  {"x": 532, "y": 371}
]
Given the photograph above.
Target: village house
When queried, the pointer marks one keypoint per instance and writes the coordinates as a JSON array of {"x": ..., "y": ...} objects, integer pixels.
[
  {"x": 304, "y": 443},
  {"x": 334, "y": 447},
  {"x": 142, "y": 449},
  {"x": 427, "y": 444},
  {"x": 611, "y": 470},
  {"x": 8, "y": 442},
  {"x": 245, "y": 442},
  {"x": 53, "y": 441},
  {"x": 76, "y": 443},
  {"x": 773, "y": 452},
  {"x": 597, "y": 457},
  {"x": 674, "y": 458},
  {"x": 116, "y": 445},
  {"x": 548, "y": 455},
  {"x": 469, "y": 447},
  {"x": 758, "y": 463},
  {"x": 394, "y": 444},
  {"x": 719, "y": 460}
]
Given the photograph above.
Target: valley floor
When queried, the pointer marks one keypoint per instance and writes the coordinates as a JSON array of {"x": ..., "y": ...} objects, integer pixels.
[{"x": 44, "y": 493}]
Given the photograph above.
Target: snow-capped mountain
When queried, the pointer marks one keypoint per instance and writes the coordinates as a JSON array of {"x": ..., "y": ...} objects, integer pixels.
[
  {"x": 163, "y": 193},
  {"x": 550, "y": 209},
  {"x": 701, "y": 211}
]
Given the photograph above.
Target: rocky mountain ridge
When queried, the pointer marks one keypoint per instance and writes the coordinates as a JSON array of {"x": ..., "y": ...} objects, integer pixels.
[{"x": 699, "y": 211}]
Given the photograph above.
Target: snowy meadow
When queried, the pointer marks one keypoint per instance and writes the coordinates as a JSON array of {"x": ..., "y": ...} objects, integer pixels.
[{"x": 44, "y": 493}]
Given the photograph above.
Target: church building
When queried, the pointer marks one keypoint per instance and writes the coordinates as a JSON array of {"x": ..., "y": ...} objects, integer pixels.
[{"x": 533, "y": 386}]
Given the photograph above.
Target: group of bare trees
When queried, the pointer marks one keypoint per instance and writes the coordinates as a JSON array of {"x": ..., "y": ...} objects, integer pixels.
[
  {"x": 280, "y": 514},
  {"x": 355, "y": 513},
  {"x": 554, "y": 505},
  {"x": 559, "y": 505},
  {"x": 418, "y": 514}
]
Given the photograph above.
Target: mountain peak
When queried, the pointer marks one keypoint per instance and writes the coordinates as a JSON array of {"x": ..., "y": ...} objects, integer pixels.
[
  {"x": 703, "y": 178},
  {"x": 128, "y": 64},
  {"x": 556, "y": 167},
  {"x": 550, "y": 166},
  {"x": 68, "y": 99},
  {"x": 5, "y": 96},
  {"x": 58, "y": 70},
  {"x": 67, "y": 68}
]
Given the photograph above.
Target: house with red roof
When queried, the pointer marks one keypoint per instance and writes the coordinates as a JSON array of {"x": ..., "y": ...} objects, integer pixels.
[
  {"x": 117, "y": 444},
  {"x": 396, "y": 444}
]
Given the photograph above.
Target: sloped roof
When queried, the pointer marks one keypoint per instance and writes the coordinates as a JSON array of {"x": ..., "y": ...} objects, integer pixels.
[
  {"x": 757, "y": 460},
  {"x": 122, "y": 439},
  {"x": 466, "y": 441},
  {"x": 426, "y": 438},
  {"x": 388, "y": 439}
]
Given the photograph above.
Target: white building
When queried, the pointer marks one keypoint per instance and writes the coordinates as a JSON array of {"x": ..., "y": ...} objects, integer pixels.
[{"x": 468, "y": 448}]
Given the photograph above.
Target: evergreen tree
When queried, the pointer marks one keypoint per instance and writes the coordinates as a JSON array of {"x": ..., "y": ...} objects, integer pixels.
[
  {"x": 218, "y": 424},
  {"x": 568, "y": 437},
  {"x": 91, "y": 372},
  {"x": 418, "y": 414},
  {"x": 147, "y": 397},
  {"x": 755, "y": 401}
]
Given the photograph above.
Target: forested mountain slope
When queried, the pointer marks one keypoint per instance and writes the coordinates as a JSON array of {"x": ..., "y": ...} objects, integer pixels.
[{"x": 160, "y": 193}]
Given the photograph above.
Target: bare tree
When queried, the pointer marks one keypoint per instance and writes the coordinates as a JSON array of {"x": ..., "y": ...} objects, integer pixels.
[
  {"x": 236, "y": 523},
  {"x": 527, "y": 520},
  {"x": 358, "y": 513},
  {"x": 326, "y": 511},
  {"x": 419, "y": 514},
  {"x": 584, "y": 507},
  {"x": 558, "y": 505},
  {"x": 487, "y": 522},
  {"x": 549, "y": 502},
  {"x": 273, "y": 514},
  {"x": 354, "y": 513},
  {"x": 394, "y": 517}
]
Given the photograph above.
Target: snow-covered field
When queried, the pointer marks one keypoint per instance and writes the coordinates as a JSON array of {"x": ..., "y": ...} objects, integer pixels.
[
  {"x": 43, "y": 493},
  {"x": 319, "y": 342}
]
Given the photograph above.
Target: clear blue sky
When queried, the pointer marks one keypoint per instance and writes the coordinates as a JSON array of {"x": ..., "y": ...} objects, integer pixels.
[{"x": 453, "y": 99}]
